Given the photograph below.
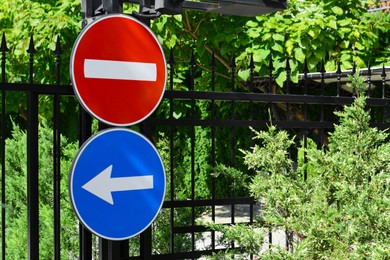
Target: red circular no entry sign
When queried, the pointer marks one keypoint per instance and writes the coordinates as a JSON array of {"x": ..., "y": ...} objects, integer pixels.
[{"x": 118, "y": 70}]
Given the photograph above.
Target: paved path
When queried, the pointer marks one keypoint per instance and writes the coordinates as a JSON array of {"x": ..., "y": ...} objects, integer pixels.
[{"x": 241, "y": 215}]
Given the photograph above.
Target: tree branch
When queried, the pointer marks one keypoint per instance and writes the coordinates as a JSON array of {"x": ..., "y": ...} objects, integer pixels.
[{"x": 196, "y": 37}]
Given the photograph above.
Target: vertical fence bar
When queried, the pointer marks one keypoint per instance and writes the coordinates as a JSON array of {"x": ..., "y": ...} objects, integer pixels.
[
  {"x": 146, "y": 244},
  {"x": 383, "y": 75},
  {"x": 57, "y": 156},
  {"x": 32, "y": 164},
  {"x": 288, "y": 118},
  {"x": 3, "y": 50},
  {"x": 369, "y": 79},
  {"x": 251, "y": 112},
  {"x": 85, "y": 240},
  {"x": 192, "y": 137},
  {"x": 233, "y": 137},
  {"x": 270, "y": 80},
  {"x": 338, "y": 73},
  {"x": 352, "y": 74},
  {"x": 305, "y": 72},
  {"x": 212, "y": 83},
  {"x": 109, "y": 250},
  {"x": 171, "y": 63},
  {"x": 287, "y": 84},
  {"x": 270, "y": 76},
  {"x": 146, "y": 235},
  {"x": 251, "y": 80},
  {"x": 322, "y": 72}
]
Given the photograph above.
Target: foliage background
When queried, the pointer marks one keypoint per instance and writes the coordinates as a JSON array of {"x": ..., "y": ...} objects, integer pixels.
[
  {"x": 333, "y": 30},
  {"x": 16, "y": 196}
]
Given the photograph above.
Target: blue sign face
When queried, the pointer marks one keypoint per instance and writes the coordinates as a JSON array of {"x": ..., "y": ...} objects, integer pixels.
[{"x": 117, "y": 183}]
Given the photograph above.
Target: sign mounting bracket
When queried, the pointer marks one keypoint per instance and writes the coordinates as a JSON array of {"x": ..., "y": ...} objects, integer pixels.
[{"x": 150, "y": 9}]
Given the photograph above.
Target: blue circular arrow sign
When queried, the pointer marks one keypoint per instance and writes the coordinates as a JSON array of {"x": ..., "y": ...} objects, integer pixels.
[{"x": 117, "y": 183}]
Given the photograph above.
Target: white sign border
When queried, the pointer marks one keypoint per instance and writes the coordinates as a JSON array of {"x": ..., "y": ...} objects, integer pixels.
[
  {"x": 71, "y": 174},
  {"x": 71, "y": 65}
]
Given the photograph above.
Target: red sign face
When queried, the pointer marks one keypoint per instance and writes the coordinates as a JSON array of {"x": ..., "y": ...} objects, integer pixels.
[{"x": 118, "y": 70}]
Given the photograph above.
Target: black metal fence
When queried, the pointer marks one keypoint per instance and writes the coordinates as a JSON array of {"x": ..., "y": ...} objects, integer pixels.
[{"x": 196, "y": 128}]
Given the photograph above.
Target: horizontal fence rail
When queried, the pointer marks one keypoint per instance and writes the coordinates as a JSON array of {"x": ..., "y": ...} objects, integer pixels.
[{"x": 195, "y": 129}]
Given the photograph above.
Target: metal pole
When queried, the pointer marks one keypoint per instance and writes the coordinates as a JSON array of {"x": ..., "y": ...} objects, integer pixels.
[{"x": 85, "y": 122}]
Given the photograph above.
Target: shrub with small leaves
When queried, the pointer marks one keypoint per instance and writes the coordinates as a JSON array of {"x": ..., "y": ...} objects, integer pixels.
[{"x": 341, "y": 210}]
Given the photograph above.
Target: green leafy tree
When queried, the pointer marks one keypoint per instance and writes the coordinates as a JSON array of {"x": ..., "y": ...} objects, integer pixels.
[
  {"x": 330, "y": 29},
  {"x": 336, "y": 31},
  {"x": 313, "y": 30},
  {"x": 45, "y": 21},
  {"x": 333, "y": 30},
  {"x": 340, "y": 211}
]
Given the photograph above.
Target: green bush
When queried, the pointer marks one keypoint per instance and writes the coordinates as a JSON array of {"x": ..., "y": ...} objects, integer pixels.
[
  {"x": 341, "y": 211},
  {"x": 16, "y": 196}
]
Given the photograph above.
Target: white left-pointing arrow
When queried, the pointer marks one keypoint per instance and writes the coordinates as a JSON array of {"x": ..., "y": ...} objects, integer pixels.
[
  {"x": 102, "y": 185},
  {"x": 123, "y": 70}
]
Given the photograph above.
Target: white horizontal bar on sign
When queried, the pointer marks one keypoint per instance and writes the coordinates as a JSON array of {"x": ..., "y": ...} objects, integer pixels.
[{"x": 124, "y": 70}]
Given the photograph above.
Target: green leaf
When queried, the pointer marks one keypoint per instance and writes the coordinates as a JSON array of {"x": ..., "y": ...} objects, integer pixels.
[
  {"x": 266, "y": 36},
  {"x": 253, "y": 33},
  {"x": 359, "y": 62},
  {"x": 281, "y": 78},
  {"x": 372, "y": 35},
  {"x": 312, "y": 33},
  {"x": 330, "y": 66},
  {"x": 320, "y": 23},
  {"x": 332, "y": 24},
  {"x": 278, "y": 37},
  {"x": 299, "y": 55},
  {"x": 244, "y": 74},
  {"x": 337, "y": 10},
  {"x": 252, "y": 23},
  {"x": 345, "y": 57},
  {"x": 346, "y": 64},
  {"x": 313, "y": 61},
  {"x": 304, "y": 43},
  {"x": 345, "y": 30},
  {"x": 320, "y": 53},
  {"x": 260, "y": 55},
  {"x": 356, "y": 34},
  {"x": 359, "y": 46},
  {"x": 345, "y": 22},
  {"x": 344, "y": 44},
  {"x": 279, "y": 63},
  {"x": 277, "y": 47},
  {"x": 294, "y": 76},
  {"x": 289, "y": 46}
]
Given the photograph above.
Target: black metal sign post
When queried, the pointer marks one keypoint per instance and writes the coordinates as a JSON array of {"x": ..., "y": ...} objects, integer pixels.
[{"x": 110, "y": 250}]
